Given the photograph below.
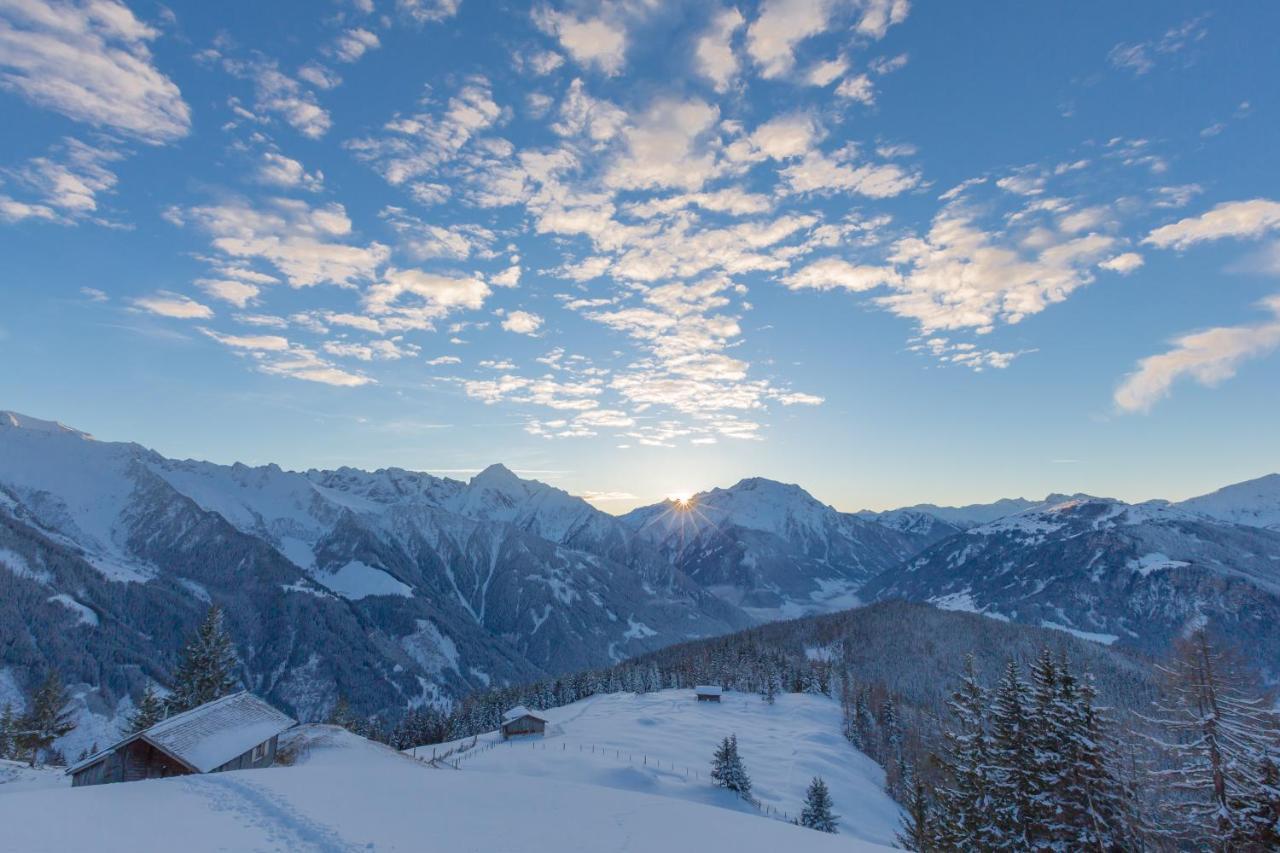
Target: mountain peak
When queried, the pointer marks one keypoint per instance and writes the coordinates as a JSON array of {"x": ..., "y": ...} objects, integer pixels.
[
  {"x": 496, "y": 474},
  {"x": 17, "y": 420}
]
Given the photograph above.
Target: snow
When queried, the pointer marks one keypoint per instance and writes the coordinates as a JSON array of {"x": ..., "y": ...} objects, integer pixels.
[
  {"x": 1254, "y": 502},
  {"x": 16, "y": 563},
  {"x": 17, "y": 776},
  {"x": 84, "y": 615},
  {"x": 1154, "y": 562},
  {"x": 647, "y": 743},
  {"x": 638, "y": 630},
  {"x": 345, "y": 794},
  {"x": 357, "y": 580},
  {"x": 1104, "y": 639}
]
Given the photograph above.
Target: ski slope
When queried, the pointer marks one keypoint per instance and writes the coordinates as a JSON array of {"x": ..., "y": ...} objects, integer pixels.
[
  {"x": 661, "y": 743},
  {"x": 345, "y": 794}
]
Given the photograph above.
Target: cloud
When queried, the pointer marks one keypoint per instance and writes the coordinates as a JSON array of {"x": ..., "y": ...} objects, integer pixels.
[
  {"x": 1123, "y": 263},
  {"x": 1252, "y": 218},
  {"x": 277, "y": 93},
  {"x": 716, "y": 59},
  {"x": 831, "y": 273},
  {"x": 414, "y": 299},
  {"x": 781, "y": 25},
  {"x": 821, "y": 174},
  {"x": 419, "y": 144},
  {"x": 538, "y": 62},
  {"x": 1209, "y": 357},
  {"x": 667, "y": 146},
  {"x": 827, "y": 72},
  {"x": 381, "y": 350},
  {"x": 278, "y": 170},
  {"x": 238, "y": 293},
  {"x": 66, "y": 183},
  {"x": 592, "y": 42},
  {"x": 1141, "y": 57},
  {"x": 355, "y": 43},
  {"x": 304, "y": 243},
  {"x": 522, "y": 322},
  {"x": 859, "y": 88},
  {"x": 167, "y": 304},
  {"x": 878, "y": 15},
  {"x": 428, "y": 11},
  {"x": 275, "y": 355},
  {"x": 425, "y": 241},
  {"x": 444, "y": 359},
  {"x": 90, "y": 62}
]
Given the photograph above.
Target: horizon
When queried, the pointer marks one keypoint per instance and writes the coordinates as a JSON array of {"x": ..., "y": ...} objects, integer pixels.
[
  {"x": 894, "y": 254},
  {"x": 611, "y": 506}
]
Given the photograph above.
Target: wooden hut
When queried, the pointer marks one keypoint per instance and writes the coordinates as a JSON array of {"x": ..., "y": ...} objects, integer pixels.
[
  {"x": 236, "y": 732},
  {"x": 707, "y": 693},
  {"x": 521, "y": 721}
]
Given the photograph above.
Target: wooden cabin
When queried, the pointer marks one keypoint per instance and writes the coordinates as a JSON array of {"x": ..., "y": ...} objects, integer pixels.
[
  {"x": 236, "y": 732},
  {"x": 521, "y": 721},
  {"x": 707, "y": 693}
]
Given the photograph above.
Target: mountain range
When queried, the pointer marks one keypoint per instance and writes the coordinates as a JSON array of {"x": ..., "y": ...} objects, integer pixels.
[{"x": 395, "y": 588}]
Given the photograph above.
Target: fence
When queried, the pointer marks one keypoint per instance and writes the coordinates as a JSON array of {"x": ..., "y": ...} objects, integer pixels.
[{"x": 453, "y": 759}]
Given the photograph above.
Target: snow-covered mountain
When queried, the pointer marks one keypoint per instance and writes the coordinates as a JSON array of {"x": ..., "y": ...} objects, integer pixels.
[
  {"x": 1253, "y": 502},
  {"x": 772, "y": 548},
  {"x": 391, "y": 587},
  {"x": 962, "y": 517},
  {"x": 1137, "y": 575}
]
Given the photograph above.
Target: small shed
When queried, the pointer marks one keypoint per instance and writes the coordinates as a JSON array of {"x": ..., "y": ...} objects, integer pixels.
[
  {"x": 236, "y": 732},
  {"x": 521, "y": 721},
  {"x": 708, "y": 693}
]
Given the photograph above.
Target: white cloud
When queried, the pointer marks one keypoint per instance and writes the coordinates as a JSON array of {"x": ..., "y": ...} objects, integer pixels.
[
  {"x": 667, "y": 146},
  {"x": 716, "y": 59},
  {"x": 428, "y": 11},
  {"x": 827, "y": 72},
  {"x": 355, "y": 43},
  {"x": 783, "y": 24},
  {"x": 522, "y": 322},
  {"x": 90, "y": 62},
  {"x": 444, "y": 359},
  {"x": 425, "y": 241},
  {"x": 590, "y": 41},
  {"x": 302, "y": 242},
  {"x": 168, "y": 304},
  {"x": 66, "y": 183},
  {"x": 1124, "y": 263},
  {"x": 278, "y": 93},
  {"x": 277, "y": 356},
  {"x": 381, "y": 350},
  {"x": 859, "y": 88},
  {"x": 281, "y": 171},
  {"x": 878, "y": 15},
  {"x": 818, "y": 173},
  {"x": 414, "y": 299},
  {"x": 1252, "y": 218},
  {"x": 1141, "y": 57},
  {"x": 830, "y": 273},
  {"x": 238, "y": 293},
  {"x": 419, "y": 144},
  {"x": 1209, "y": 357},
  {"x": 540, "y": 62}
]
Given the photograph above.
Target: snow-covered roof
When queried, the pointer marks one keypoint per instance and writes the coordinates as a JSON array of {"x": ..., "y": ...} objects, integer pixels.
[
  {"x": 708, "y": 690},
  {"x": 212, "y": 734},
  {"x": 520, "y": 711}
]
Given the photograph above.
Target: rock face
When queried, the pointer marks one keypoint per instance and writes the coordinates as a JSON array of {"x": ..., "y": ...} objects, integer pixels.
[
  {"x": 391, "y": 587},
  {"x": 772, "y": 549},
  {"x": 1135, "y": 575}
]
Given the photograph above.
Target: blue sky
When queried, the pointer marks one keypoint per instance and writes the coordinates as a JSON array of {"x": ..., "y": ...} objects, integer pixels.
[{"x": 894, "y": 252}]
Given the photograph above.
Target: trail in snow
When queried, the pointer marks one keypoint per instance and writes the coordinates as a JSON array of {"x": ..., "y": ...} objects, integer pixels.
[{"x": 283, "y": 824}]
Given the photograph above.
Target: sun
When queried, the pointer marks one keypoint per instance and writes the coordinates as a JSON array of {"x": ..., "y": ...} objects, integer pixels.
[{"x": 682, "y": 500}]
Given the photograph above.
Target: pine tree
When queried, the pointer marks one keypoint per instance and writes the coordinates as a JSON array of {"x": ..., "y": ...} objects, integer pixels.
[
  {"x": 966, "y": 811},
  {"x": 150, "y": 711},
  {"x": 917, "y": 827},
  {"x": 817, "y": 807},
  {"x": 47, "y": 718},
  {"x": 1015, "y": 787},
  {"x": 1220, "y": 737},
  {"x": 8, "y": 730},
  {"x": 208, "y": 666},
  {"x": 341, "y": 714},
  {"x": 1261, "y": 814},
  {"x": 727, "y": 770}
]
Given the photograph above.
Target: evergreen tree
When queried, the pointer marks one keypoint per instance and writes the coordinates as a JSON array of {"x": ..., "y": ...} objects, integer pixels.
[
  {"x": 1220, "y": 738},
  {"x": 150, "y": 711},
  {"x": 1261, "y": 814},
  {"x": 966, "y": 811},
  {"x": 47, "y": 718},
  {"x": 727, "y": 770},
  {"x": 341, "y": 714},
  {"x": 208, "y": 667},
  {"x": 817, "y": 807},
  {"x": 8, "y": 732},
  {"x": 1014, "y": 789},
  {"x": 917, "y": 828}
]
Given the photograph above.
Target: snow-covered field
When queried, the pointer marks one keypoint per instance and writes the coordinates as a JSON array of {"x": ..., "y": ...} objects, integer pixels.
[
  {"x": 346, "y": 794},
  {"x": 661, "y": 743}
]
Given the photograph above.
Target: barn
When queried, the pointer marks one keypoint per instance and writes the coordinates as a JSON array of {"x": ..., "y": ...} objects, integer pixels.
[
  {"x": 236, "y": 732},
  {"x": 707, "y": 693},
  {"x": 521, "y": 721}
]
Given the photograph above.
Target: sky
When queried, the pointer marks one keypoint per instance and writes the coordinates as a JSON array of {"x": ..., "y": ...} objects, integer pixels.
[{"x": 895, "y": 252}]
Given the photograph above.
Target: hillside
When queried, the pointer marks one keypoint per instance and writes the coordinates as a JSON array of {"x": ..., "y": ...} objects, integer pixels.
[
  {"x": 346, "y": 794},
  {"x": 661, "y": 743}
]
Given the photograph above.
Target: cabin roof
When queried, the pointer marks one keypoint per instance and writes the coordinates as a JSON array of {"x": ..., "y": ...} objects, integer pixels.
[
  {"x": 708, "y": 690},
  {"x": 520, "y": 711},
  {"x": 210, "y": 735}
]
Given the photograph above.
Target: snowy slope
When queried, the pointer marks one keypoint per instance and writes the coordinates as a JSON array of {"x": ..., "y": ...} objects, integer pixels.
[
  {"x": 661, "y": 743},
  {"x": 970, "y": 515},
  {"x": 346, "y": 794},
  {"x": 1253, "y": 502}
]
